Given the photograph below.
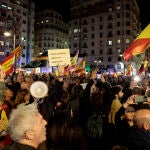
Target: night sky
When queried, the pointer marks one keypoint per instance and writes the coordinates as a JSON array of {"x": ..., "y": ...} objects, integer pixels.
[{"x": 62, "y": 6}]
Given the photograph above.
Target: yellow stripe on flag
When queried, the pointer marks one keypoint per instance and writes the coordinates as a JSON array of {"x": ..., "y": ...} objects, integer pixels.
[
  {"x": 139, "y": 45},
  {"x": 8, "y": 64}
]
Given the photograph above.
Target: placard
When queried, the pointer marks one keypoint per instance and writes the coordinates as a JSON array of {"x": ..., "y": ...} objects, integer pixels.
[{"x": 59, "y": 56}]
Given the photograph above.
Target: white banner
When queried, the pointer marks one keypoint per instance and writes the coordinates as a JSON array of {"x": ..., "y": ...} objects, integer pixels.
[{"x": 59, "y": 56}]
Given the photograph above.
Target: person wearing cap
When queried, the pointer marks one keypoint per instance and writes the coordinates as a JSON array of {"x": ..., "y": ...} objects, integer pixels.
[{"x": 124, "y": 120}]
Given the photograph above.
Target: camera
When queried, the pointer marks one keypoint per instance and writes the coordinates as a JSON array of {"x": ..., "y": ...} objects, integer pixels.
[{"x": 140, "y": 99}]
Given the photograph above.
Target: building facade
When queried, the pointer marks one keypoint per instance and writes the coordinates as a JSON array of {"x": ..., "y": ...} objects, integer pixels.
[
  {"x": 17, "y": 18},
  {"x": 51, "y": 32},
  {"x": 103, "y": 29}
]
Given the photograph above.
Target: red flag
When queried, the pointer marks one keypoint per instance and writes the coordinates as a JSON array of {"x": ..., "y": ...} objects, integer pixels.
[
  {"x": 17, "y": 51},
  {"x": 80, "y": 67},
  {"x": 139, "y": 45},
  {"x": 143, "y": 66},
  {"x": 8, "y": 64},
  {"x": 129, "y": 70},
  {"x": 73, "y": 61}
]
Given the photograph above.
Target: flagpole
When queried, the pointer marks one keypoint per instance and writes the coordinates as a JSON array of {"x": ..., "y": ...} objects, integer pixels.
[{"x": 14, "y": 46}]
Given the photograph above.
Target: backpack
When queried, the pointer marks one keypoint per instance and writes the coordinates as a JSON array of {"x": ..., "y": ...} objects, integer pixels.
[{"x": 94, "y": 126}]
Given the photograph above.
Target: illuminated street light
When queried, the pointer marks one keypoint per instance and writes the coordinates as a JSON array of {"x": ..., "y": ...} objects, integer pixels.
[{"x": 8, "y": 34}]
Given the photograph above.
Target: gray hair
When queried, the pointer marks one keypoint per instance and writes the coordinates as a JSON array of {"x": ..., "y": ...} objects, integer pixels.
[{"x": 21, "y": 120}]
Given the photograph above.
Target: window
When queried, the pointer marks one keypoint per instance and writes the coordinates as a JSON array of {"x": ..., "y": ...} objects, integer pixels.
[
  {"x": 92, "y": 52},
  {"x": 109, "y": 51},
  {"x": 75, "y": 45},
  {"x": 128, "y": 32},
  {"x": 101, "y": 35},
  {"x": 109, "y": 43},
  {"x": 109, "y": 59},
  {"x": 118, "y": 7},
  {"x": 110, "y": 9},
  {"x": 100, "y": 51},
  {"x": 92, "y": 36},
  {"x": 127, "y": 41},
  {"x": 118, "y": 41},
  {"x": 75, "y": 30},
  {"x": 92, "y": 43}
]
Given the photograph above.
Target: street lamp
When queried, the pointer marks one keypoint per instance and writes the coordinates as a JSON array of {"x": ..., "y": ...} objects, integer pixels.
[{"x": 8, "y": 34}]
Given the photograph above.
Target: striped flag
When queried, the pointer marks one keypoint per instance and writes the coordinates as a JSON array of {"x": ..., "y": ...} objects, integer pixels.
[
  {"x": 17, "y": 52},
  {"x": 143, "y": 66},
  {"x": 73, "y": 61},
  {"x": 8, "y": 64},
  {"x": 139, "y": 45},
  {"x": 80, "y": 67},
  {"x": 129, "y": 70}
]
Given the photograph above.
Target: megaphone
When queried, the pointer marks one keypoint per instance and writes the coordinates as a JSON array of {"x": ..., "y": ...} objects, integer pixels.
[{"x": 38, "y": 89}]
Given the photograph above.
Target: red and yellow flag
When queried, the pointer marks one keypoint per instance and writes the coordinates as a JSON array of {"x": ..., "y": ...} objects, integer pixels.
[
  {"x": 129, "y": 70},
  {"x": 8, "y": 64},
  {"x": 17, "y": 51},
  {"x": 73, "y": 61},
  {"x": 139, "y": 45},
  {"x": 80, "y": 67},
  {"x": 143, "y": 66}
]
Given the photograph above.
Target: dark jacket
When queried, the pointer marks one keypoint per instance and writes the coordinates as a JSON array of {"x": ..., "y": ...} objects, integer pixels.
[
  {"x": 18, "y": 146},
  {"x": 122, "y": 127},
  {"x": 139, "y": 139}
]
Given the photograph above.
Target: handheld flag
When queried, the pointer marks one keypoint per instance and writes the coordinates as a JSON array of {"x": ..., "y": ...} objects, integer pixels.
[
  {"x": 139, "y": 45},
  {"x": 73, "y": 61},
  {"x": 80, "y": 67},
  {"x": 129, "y": 70},
  {"x": 143, "y": 66},
  {"x": 8, "y": 64},
  {"x": 17, "y": 51}
]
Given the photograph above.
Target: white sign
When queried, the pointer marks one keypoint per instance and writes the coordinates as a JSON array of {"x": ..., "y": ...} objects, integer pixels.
[{"x": 59, "y": 56}]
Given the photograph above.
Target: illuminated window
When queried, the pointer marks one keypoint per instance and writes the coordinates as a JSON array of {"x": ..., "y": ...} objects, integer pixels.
[
  {"x": 127, "y": 41},
  {"x": 75, "y": 30},
  {"x": 109, "y": 42},
  {"x": 118, "y": 7},
  {"x": 109, "y": 9},
  {"x": 118, "y": 41}
]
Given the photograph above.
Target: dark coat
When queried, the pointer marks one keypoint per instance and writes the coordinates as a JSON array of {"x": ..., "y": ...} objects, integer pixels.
[
  {"x": 18, "y": 146},
  {"x": 139, "y": 139}
]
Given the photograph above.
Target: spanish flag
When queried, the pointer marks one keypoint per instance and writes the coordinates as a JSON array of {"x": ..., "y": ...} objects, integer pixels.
[
  {"x": 143, "y": 66},
  {"x": 80, "y": 68},
  {"x": 8, "y": 64},
  {"x": 73, "y": 61},
  {"x": 129, "y": 70},
  {"x": 139, "y": 45}
]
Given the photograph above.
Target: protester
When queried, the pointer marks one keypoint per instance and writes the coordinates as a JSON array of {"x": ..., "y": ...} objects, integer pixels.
[
  {"x": 139, "y": 138},
  {"x": 26, "y": 128}
]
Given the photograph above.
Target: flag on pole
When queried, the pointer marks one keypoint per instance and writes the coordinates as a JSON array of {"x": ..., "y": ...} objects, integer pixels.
[
  {"x": 143, "y": 66},
  {"x": 139, "y": 45},
  {"x": 73, "y": 61},
  {"x": 129, "y": 70},
  {"x": 17, "y": 51},
  {"x": 8, "y": 64},
  {"x": 80, "y": 67}
]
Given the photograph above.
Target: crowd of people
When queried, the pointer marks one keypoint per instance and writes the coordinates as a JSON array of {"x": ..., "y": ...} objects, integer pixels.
[{"x": 58, "y": 121}]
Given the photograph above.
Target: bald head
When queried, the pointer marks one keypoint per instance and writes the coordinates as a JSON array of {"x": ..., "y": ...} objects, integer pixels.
[{"x": 142, "y": 118}]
